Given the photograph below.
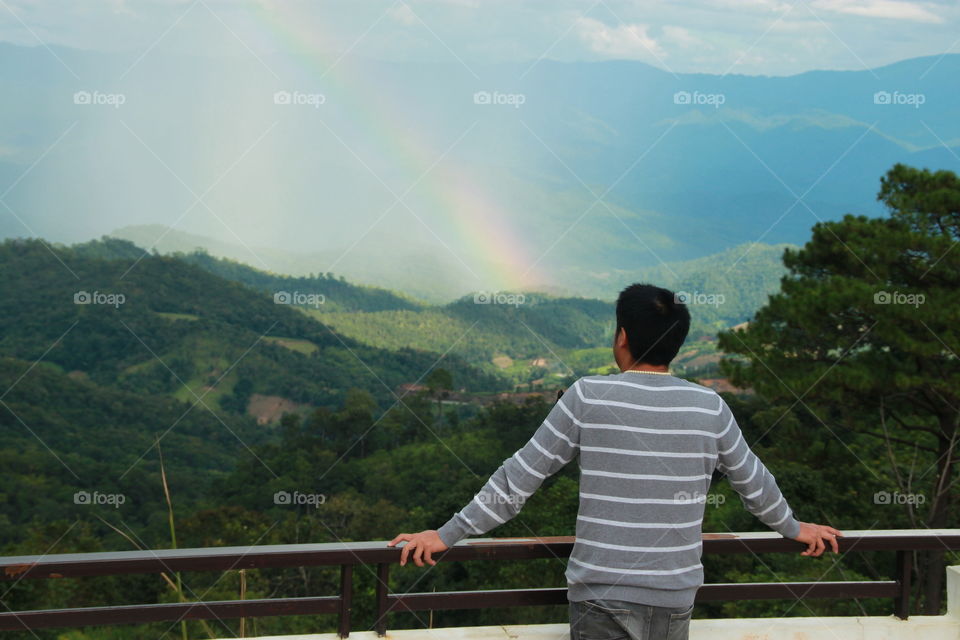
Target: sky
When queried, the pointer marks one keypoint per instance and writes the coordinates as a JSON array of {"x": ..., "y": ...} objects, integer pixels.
[
  {"x": 754, "y": 37},
  {"x": 383, "y": 155}
]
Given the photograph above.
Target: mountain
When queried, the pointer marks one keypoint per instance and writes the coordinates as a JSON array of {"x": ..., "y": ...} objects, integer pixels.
[
  {"x": 324, "y": 290},
  {"x": 417, "y": 271},
  {"x": 741, "y": 277},
  {"x": 105, "y": 347},
  {"x": 159, "y": 325},
  {"x": 516, "y": 336},
  {"x": 408, "y": 177}
]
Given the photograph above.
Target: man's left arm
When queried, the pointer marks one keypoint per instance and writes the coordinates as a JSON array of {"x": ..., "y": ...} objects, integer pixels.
[{"x": 554, "y": 444}]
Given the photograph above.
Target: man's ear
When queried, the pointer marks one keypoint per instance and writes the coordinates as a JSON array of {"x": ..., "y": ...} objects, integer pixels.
[{"x": 621, "y": 339}]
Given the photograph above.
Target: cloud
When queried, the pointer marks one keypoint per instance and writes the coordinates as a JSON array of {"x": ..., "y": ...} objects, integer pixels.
[
  {"x": 776, "y": 37},
  {"x": 626, "y": 41},
  {"x": 681, "y": 37},
  {"x": 890, "y": 9}
]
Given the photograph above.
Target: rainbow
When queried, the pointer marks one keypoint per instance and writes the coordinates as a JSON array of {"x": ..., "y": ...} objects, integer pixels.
[{"x": 498, "y": 257}]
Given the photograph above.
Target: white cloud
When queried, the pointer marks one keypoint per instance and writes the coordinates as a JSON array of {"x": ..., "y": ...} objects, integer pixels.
[
  {"x": 776, "y": 37},
  {"x": 681, "y": 37},
  {"x": 626, "y": 41},
  {"x": 891, "y": 9}
]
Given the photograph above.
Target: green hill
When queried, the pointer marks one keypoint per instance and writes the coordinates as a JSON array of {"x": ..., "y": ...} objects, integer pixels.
[
  {"x": 103, "y": 349},
  {"x": 540, "y": 328},
  {"x": 540, "y": 335},
  {"x": 573, "y": 334},
  {"x": 724, "y": 289},
  {"x": 63, "y": 434},
  {"x": 745, "y": 274},
  {"x": 176, "y": 325},
  {"x": 337, "y": 293}
]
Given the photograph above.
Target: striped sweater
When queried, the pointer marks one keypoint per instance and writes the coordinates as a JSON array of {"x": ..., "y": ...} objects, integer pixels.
[{"x": 648, "y": 447}]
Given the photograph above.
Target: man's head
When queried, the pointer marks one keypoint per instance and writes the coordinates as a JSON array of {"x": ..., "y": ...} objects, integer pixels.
[{"x": 651, "y": 326}]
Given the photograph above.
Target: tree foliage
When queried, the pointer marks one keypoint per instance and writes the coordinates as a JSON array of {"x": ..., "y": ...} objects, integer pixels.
[{"x": 863, "y": 338}]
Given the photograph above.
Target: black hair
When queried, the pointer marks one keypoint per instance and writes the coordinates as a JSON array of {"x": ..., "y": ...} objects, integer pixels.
[{"x": 656, "y": 323}]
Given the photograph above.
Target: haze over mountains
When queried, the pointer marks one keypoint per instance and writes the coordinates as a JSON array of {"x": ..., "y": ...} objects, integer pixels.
[
  {"x": 743, "y": 275},
  {"x": 439, "y": 180}
]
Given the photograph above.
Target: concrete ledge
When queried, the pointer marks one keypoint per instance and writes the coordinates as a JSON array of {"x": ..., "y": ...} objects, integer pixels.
[
  {"x": 842, "y": 628},
  {"x": 508, "y": 632}
]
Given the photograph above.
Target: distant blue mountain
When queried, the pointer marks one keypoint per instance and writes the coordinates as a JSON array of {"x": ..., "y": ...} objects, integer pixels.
[{"x": 687, "y": 165}]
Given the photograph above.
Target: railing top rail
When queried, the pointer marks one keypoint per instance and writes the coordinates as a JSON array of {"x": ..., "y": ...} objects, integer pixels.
[{"x": 371, "y": 552}]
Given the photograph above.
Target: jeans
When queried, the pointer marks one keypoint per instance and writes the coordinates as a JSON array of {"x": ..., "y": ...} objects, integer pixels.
[{"x": 616, "y": 620}]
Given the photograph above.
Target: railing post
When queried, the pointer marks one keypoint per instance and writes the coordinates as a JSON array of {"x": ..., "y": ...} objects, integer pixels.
[
  {"x": 383, "y": 588},
  {"x": 346, "y": 599},
  {"x": 904, "y": 575}
]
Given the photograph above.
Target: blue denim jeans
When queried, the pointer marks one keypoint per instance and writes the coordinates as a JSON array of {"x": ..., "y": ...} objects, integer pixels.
[{"x": 616, "y": 620}]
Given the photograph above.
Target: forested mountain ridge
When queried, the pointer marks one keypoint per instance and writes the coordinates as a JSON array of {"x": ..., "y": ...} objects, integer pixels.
[
  {"x": 338, "y": 294},
  {"x": 539, "y": 328},
  {"x": 474, "y": 330},
  {"x": 155, "y": 324},
  {"x": 744, "y": 274},
  {"x": 517, "y": 335},
  {"x": 103, "y": 350}
]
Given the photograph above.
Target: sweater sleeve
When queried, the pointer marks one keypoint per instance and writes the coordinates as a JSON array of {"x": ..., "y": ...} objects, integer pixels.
[
  {"x": 750, "y": 478},
  {"x": 554, "y": 444}
]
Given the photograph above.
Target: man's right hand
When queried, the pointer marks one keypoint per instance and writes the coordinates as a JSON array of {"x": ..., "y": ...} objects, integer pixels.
[
  {"x": 813, "y": 535},
  {"x": 422, "y": 545}
]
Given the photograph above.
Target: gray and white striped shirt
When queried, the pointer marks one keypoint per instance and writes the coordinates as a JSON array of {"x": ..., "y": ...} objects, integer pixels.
[{"x": 648, "y": 447}]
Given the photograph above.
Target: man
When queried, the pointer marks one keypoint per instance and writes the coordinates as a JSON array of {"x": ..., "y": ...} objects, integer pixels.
[{"x": 648, "y": 444}]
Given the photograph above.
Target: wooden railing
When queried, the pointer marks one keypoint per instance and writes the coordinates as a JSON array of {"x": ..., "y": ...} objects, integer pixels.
[{"x": 348, "y": 555}]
